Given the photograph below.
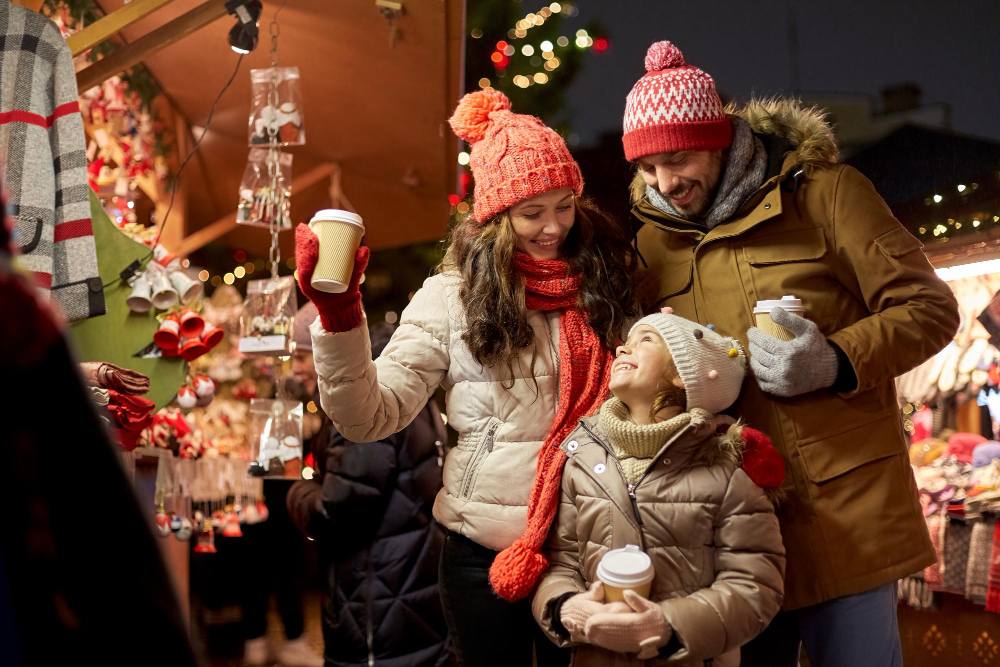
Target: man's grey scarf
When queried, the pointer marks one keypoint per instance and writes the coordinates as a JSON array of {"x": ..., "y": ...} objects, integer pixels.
[{"x": 743, "y": 175}]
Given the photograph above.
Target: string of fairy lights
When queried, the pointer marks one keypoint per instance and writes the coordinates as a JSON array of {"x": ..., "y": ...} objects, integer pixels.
[
  {"x": 944, "y": 230},
  {"x": 244, "y": 269}
]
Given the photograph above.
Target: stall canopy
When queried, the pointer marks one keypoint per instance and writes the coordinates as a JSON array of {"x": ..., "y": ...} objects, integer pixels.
[{"x": 374, "y": 105}]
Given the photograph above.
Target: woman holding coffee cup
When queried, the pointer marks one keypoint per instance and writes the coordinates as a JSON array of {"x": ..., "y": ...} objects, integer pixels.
[{"x": 518, "y": 327}]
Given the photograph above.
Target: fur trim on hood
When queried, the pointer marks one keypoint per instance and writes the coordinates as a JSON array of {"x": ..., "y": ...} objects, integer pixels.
[{"x": 811, "y": 138}]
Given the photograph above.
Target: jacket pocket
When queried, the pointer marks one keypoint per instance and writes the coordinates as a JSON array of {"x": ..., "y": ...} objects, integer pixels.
[
  {"x": 832, "y": 457},
  {"x": 903, "y": 250},
  {"x": 794, "y": 262},
  {"x": 863, "y": 499},
  {"x": 483, "y": 449},
  {"x": 28, "y": 232}
]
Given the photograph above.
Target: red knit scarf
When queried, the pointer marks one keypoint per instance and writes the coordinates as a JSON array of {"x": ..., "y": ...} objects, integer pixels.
[{"x": 584, "y": 370}]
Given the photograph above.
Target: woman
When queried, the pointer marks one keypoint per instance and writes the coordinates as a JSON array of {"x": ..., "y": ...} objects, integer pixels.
[{"x": 517, "y": 327}]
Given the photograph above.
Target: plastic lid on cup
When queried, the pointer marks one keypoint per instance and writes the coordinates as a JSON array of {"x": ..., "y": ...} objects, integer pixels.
[
  {"x": 625, "y": 568},
  {"x": 336, "y": 214},
  {"x": 789, "y": 302}
]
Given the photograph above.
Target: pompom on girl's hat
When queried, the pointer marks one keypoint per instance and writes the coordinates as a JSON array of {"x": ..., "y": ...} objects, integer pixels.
[
  {"x": 711, "y": 366},
  {"x": 674, "y": 107},
  {"x": 513, "y": 156}
]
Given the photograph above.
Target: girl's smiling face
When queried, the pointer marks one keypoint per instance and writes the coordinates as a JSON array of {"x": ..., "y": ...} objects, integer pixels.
[{"x": 642, "y": 368}]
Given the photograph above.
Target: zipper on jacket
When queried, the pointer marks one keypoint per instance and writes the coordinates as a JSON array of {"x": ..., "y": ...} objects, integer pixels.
[
  {"x": 631, "y": 487},
  {"x": 480, "y": 455},
  {"x": 369, "y": 608}
]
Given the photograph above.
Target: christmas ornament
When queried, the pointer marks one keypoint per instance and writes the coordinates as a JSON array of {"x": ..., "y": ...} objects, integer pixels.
[
  {"x": 231, "y": 527},
  {"x": 186, "y": 529},
  {"x": 162, "y": 521},
  {"x": 205, "y": 542},
  {"x": 203, "y": 385},
  {"x": 186, "y": 397}
]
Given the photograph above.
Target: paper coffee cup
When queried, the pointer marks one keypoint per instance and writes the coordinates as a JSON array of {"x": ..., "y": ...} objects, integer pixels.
[
  {"x": 625, "y": 569},
  {"x": 762, "y": 315},
  {"x": 339, "y": 234}
]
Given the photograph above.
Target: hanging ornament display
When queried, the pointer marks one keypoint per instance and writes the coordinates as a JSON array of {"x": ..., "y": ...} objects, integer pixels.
[
  {"x": 266, "y": 189},
  {"x": 268, "y": 314},
  {"x": 279, "y": 114},
  {"x": 275, "y": 438}
]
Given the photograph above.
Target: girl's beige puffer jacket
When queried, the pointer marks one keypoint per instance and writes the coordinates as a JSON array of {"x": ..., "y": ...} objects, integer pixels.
[
  {"x": 488, "y": 476},
  {"x": 712, "y": 534}
]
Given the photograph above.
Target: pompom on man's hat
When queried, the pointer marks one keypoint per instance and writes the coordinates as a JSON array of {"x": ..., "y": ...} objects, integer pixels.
[{"x": 513, "y": 156}]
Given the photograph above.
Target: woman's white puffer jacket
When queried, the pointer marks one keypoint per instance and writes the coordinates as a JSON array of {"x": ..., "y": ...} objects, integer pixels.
[{"x": 489, "y": 474}]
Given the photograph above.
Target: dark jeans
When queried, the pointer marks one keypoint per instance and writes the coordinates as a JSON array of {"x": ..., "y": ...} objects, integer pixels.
[
  {"x": 853, "y": 631},
  {"x": 275, "y": 562},
  {"x": 485, "y": 629}
]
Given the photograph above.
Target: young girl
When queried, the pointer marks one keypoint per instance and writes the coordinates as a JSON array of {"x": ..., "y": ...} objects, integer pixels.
[
  {"x": 518, "y": 327},
  {"x": 651, "y": 470}
]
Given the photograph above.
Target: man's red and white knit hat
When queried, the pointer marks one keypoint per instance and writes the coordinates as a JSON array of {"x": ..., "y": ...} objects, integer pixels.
[{"x": 674, "y": 107}]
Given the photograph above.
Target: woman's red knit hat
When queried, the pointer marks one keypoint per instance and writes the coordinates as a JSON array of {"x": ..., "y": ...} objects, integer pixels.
[{"x": 513, "y": 156}]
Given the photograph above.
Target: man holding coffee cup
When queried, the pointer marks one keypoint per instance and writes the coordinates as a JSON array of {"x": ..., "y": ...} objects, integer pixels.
[{"x": 740, "y": 207}]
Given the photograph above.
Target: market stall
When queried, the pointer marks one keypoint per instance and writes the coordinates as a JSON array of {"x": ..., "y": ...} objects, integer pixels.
[
  {"x": 192, "y": 145},
  {"x": 951, "y": 409}
]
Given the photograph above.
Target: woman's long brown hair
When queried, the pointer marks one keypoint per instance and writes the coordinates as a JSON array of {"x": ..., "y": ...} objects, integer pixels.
[{"x": 597, "y": 248}]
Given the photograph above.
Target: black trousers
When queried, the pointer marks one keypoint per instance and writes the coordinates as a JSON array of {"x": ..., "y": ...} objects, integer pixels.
[
  {"x": 486, "y": 630},
  {"x": 274, "y": 559}
]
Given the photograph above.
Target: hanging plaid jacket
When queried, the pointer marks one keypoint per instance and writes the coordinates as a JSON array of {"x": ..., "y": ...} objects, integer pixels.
[{"x": 42, "y": 145}]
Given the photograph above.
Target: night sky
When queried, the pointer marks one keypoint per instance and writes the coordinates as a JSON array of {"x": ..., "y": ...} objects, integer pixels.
[{"x": 950, "y": 49}]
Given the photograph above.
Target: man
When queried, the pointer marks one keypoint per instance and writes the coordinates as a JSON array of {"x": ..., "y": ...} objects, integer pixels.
[
  {"x": 369, "y": 508},
  {"x": 748, "y": 206}
]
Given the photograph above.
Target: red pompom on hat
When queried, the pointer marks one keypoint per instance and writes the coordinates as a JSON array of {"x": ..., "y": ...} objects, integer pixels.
[
  {"x": 674, "y": 107},
  {"x": 513, "y": 156},
  {"x": 472, "y": 117},
  {"x": 662, "y": 55},
  {"x": 761, "y": 461}
]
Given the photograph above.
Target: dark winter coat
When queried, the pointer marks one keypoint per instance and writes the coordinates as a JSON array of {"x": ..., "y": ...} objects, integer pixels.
[
  {"x": 817, "y": 229},
  {"x": 369, "y": 509}
]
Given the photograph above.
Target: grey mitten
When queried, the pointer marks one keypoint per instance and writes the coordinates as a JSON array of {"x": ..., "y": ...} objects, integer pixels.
[{"x": 798, "y": 366}]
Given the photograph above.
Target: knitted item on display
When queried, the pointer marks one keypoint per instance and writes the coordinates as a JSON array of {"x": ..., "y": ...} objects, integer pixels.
[
  {"x": 633, "y": 444},
  {"x": 110, "y": 376},
  {"x": 674, "y": 107},
  {"x": 45, "y": 171},
  {"x": 584, "y": 371},
  {"x": 711, "y": 366},
  {"x": 993, "y": 585},
  {"x": 337, "y": 312},
  {"x": 513, "y": 156}
]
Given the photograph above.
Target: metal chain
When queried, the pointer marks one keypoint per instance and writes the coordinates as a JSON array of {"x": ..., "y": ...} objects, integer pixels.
[{"x": 276, "y": 207}]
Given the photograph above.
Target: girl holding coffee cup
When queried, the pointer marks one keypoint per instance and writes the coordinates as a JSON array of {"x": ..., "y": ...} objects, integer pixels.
[
  {"x": 518, "y": 327},
  {"x": 663, "y": 548}
]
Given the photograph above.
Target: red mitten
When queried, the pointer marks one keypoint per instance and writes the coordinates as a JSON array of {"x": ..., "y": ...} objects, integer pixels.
[{"x": 337, "y": 312}]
